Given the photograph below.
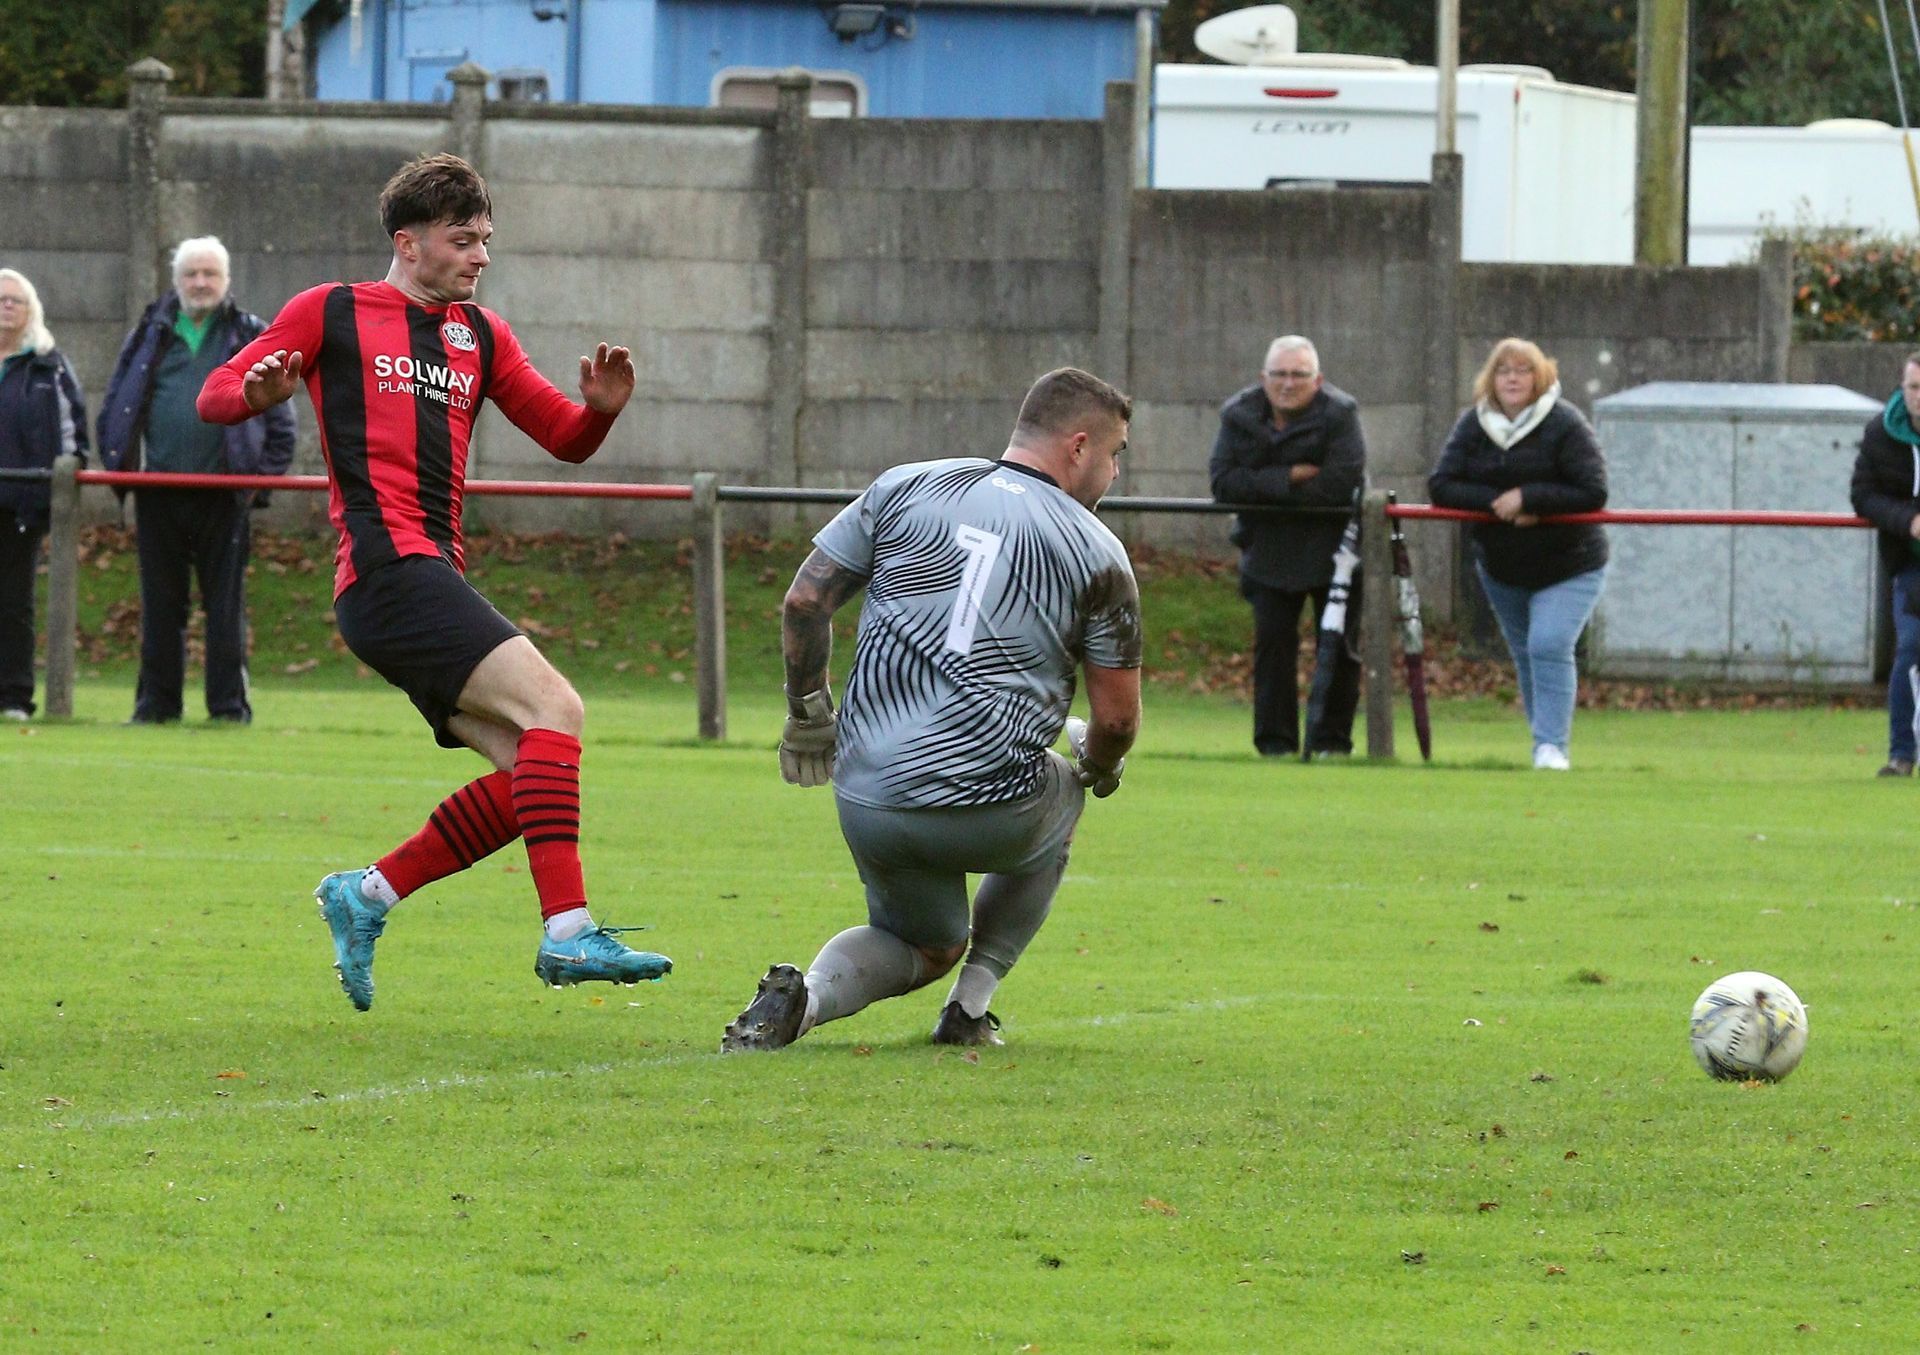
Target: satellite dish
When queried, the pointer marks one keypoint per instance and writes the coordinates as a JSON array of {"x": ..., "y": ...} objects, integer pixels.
[{"x": 1260, "y": 35}]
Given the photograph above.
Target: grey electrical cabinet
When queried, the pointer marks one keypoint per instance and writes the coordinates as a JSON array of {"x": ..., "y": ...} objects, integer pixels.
[{"x": 1760, "y": 604}]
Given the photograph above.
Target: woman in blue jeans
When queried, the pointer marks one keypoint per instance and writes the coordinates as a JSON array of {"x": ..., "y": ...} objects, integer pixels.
[{"x": 1522, "y": 454}]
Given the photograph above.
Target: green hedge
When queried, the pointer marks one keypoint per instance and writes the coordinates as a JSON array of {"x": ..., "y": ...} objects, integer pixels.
[{"x": 1849, "y": 285}]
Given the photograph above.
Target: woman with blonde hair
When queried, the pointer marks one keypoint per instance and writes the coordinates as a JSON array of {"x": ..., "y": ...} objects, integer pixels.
[
  {"x": 42, "y": 416},
  {"x": 1522, "y": 453}
]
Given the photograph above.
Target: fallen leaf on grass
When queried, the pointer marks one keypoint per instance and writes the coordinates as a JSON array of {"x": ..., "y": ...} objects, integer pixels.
[
  {"x": 1556, "y": 1270},
  {"x": 1159, "y": 1206},
  {"x": 230, "y": 1074}
]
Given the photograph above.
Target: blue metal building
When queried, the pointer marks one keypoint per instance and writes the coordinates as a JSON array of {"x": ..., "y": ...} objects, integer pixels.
[{"x": 900, "y": 58}]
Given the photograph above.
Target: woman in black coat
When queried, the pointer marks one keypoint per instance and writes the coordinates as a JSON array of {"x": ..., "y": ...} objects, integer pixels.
[
  {"x": 1522, "y": 453},
  {"x": 41, "y": 417}
]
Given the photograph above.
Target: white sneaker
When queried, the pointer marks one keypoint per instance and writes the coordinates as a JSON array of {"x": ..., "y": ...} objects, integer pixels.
[
  {"x": 1549, "y": 757},
  {"x": 13, "y": 713}
]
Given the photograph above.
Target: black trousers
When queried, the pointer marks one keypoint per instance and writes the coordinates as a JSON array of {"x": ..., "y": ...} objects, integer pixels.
[
  {"x": 19, "y": 558},
  {"x": 183, "y": 533},
  {"x": 1276, "y": 684}
]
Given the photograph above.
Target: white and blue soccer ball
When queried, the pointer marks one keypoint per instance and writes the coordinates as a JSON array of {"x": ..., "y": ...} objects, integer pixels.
[{"x": 1749, "y": 1026}]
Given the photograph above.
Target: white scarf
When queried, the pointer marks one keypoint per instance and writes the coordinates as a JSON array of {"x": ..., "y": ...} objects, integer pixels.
[{"x": 1504, "y": 431}]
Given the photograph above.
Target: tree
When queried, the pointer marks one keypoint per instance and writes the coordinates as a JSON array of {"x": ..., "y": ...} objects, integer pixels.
[{"x": 76, "y": 55}]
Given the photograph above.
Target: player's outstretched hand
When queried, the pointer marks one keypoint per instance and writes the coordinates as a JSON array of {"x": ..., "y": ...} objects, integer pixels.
[
  {"x": 1102, "y": 781},
  {"x": 807, "y": 743},
  {"x": 272, "y": 379},
  {"x": 606, "y": 379}
]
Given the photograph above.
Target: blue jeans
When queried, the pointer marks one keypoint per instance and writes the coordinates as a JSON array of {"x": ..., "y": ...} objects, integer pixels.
[
  {"x": 1906, "y": 653},
  {"x": 1541, "y": 626}
]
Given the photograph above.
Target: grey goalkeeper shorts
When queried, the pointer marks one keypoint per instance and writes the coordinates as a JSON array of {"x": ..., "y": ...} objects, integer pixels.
[{"x": 915, "y": 862}]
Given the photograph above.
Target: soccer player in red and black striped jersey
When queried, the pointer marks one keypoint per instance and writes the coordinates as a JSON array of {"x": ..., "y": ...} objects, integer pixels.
[{"x": 396, "y": 371}]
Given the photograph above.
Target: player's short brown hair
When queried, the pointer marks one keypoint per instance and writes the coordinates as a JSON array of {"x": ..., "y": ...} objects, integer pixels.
[
  {"x": 432, "y": 189},
  {"x": 1063, "y": 397}
]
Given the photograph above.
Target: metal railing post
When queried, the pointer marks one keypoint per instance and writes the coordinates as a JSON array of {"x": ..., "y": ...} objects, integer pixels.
[
  {"x": 63, "y": 586},
  {"x": 1377, "y": 621},
  {"x": 709, "y": 606}
]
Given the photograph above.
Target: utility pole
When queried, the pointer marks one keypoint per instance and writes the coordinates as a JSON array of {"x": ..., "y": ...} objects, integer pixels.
[
  {"x": 286, "y": 66},
  {"x": 1661, "y": 122}
]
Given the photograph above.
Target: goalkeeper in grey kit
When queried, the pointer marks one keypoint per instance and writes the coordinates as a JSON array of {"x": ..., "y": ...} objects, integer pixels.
[{"x": 991, "y": 588}]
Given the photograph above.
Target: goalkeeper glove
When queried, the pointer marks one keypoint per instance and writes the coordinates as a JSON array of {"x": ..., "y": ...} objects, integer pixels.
[
  {"x": 807, "y": 742},
  {"x": 1102, "y": 781}
]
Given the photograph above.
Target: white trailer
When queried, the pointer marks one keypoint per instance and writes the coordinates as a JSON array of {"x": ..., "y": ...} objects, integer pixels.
[
  {"x": 1848, "y": 173},
  {"x": 1549, "y": 167}
]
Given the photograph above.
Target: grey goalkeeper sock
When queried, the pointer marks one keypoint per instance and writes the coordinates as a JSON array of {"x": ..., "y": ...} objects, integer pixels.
[
  {"x": 859, "y": 967},
  {"x": 1007, "y": 913}
]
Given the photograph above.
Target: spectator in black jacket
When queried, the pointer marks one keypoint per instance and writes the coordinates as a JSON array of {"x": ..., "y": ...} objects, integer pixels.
[
  {"x": 42, "y": 416},
  {"x": 149, "y": 408},
  {"x": 1886, "y": 492},
  {"x": 1522, "y": 453},
  {"x": 1295, "y": 441}
]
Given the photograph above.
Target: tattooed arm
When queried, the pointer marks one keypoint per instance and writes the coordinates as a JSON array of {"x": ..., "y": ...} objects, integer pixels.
[
  {"x": 806, "y": 640},
  {"x": 819, "y": 590}
]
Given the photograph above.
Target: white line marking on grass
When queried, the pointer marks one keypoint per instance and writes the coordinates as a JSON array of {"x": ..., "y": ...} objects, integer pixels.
[{"x": 460, "y": 1081}]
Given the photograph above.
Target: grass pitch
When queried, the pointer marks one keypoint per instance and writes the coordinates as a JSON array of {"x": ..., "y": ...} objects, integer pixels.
[{"x": 1308, "y": 1058}]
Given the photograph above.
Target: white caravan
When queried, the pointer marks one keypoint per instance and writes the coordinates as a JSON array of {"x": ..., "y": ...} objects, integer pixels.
[{"x": 1549, "y": 167}]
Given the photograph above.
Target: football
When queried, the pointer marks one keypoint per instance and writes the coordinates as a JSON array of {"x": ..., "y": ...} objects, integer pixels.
[{"x": 1749, "y": 1026}]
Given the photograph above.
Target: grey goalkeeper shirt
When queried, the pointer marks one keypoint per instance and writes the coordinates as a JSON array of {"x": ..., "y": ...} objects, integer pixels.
[{"x": 988, "y": 587}]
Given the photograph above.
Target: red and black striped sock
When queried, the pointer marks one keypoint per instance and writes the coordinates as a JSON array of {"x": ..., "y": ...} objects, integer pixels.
[
  {"x": 546, "y": 801},
  {"x": 472, "y": 823}
]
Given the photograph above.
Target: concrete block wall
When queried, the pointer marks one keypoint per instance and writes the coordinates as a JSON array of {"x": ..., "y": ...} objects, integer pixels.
[
  {"x": 948, "y": 264},
  {"x": 64, "y": 225},
  {"x": 1872, "y": 369},
  {"x": 1217, "y": 276},
  {"x": 656, "y": 236},
  {"x": 295, "y": 201},
  {"x": 1613, "y": 328}
]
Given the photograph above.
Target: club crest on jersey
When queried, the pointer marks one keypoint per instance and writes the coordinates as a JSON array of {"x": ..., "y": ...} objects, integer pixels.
[
  {"x": 458, "y": 336},
  {"x": 406, "y": 375}
]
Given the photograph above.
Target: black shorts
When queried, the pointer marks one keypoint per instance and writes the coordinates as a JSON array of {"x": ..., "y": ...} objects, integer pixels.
[{"x": 420, "y": 625}]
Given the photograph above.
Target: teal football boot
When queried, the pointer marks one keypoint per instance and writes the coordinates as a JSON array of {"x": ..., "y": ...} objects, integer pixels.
[
  {"x": 596, "y": 955},
  {"x": 356, "y": 924}
]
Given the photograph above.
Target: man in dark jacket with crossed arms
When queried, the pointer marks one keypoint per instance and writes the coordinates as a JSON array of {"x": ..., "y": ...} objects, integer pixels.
[{"x": 1291, "y": 440}]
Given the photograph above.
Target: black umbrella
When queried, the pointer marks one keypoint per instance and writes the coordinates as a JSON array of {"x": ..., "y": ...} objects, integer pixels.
[
  {"x": 1413, "y": 645},
  {"x": 1333, "y": 629}
]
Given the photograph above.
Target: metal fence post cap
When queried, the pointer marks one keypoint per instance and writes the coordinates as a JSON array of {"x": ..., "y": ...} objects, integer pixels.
[{"x": 150, "y": 70}]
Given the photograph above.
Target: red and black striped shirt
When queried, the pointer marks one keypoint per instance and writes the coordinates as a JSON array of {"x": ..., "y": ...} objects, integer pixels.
[{"x": 396, "y": 387}]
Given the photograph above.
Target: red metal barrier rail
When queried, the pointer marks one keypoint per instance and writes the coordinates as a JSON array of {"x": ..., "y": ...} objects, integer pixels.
[{"x": 547, "y": 489}]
